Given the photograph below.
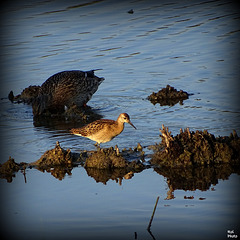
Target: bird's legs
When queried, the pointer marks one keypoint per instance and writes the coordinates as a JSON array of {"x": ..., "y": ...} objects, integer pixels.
[{"x": 97, "y": 145}]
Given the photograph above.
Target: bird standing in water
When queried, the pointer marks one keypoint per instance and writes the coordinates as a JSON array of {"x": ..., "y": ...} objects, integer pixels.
[
  {"x": 66, "y": 89},
  {"x": 103, "y": 130}
]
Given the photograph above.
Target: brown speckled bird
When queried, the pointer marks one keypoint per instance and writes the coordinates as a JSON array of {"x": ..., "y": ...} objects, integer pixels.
[
  {"x": 65, "y": 89},
  {"x": 103, "y": 130}
]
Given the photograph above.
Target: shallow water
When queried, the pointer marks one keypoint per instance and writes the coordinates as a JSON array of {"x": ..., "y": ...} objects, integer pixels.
[{"x": 192, "y": 46}]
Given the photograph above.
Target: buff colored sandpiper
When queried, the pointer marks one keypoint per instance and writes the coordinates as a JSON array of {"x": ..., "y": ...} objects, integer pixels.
[{"x": 103, "y": 130}]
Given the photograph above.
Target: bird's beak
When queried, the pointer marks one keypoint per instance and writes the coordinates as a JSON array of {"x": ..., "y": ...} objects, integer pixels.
[{"x": 132, "y": 124}]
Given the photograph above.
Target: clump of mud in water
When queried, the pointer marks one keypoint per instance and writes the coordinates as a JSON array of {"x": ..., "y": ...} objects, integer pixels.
[
  {"x": 168, "y": 96},
  {"x": 200, "y": 147},
  {"x": 106, "y": 158},
  {"x": 56, "y": 157},
  {"x": 8, "y": 169},
  {"x": 109, "y": 158},
  {"x": 59, "y": 162}
]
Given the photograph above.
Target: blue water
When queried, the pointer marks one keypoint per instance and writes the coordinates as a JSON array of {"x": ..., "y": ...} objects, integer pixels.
[{"x": 191, "y": 45}]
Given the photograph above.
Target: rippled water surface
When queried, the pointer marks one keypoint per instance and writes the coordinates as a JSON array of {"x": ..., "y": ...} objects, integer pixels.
[{"x": 191, "y": 45}]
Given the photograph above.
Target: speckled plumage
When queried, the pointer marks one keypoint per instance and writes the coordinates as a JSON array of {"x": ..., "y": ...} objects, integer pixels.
[
  {"x": 103, "y": 130},
  {"x": 65, "y": 89}
]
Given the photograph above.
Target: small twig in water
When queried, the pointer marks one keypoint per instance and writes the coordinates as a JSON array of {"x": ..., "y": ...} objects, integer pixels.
[{"x": 150, "y": 222}]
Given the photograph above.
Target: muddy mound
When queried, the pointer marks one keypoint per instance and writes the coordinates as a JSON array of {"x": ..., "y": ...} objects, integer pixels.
[
  {"x": 56, "y": 157},
  {"x": 60, "y": 162},
  {"x": 105, "y": 159},
  {"x": 8, "y": 169},
  {"x": 200, "y": 147},
  {"x": 109, "y": 158},
  {"x": 168, "y": 96}
]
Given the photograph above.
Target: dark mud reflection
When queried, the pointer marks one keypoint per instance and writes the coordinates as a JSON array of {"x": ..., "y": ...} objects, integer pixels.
[
  {"x": 72, "y": 117},
  {"x": 193, "y": 178},
  {"x": 188, "y": 178},
  {"x": 104, "y": 175},
  {"x": 58, "y": 172}
]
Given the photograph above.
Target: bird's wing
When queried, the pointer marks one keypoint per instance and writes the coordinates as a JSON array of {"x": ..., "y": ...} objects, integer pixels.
[{"x": 93, "y": 127}]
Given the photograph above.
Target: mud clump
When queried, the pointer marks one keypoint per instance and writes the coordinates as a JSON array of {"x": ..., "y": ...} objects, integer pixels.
[
  {"x": 168, "y": 96},
  {"x": 109, "y": 158},
  {"x": 105, "y": 159},
  {"x": 56, "y": 161},
  {"x": 8, "y": 169},
  {"x": 199, "y": 148},
  {"x": 56, "y": 157},
  {"x": 60, "y": 162}
]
